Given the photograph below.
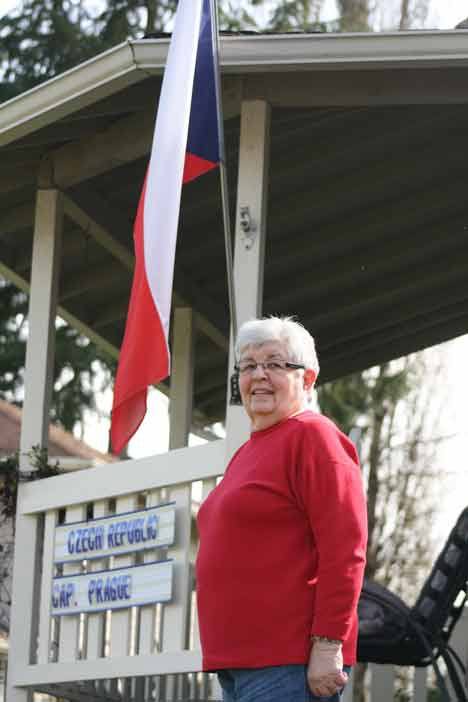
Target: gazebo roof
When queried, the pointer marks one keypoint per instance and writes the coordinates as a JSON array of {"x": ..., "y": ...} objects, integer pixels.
[{"x": 367, "y": 214}]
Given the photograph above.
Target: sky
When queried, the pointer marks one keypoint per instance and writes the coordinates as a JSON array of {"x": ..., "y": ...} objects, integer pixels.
[
  {"x": 443, "y": 14},
  {"x": 453, "y": 453}
]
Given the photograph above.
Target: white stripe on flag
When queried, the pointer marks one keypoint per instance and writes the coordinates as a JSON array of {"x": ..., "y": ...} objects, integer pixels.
[{"x": 165, "y": 172}]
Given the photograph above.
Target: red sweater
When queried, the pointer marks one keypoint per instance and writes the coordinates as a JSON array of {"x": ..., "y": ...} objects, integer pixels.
[{"x": 282, "y": 548}]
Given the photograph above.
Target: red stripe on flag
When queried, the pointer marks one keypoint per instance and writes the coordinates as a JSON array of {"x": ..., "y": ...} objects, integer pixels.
[
  {"x": 144, "y": 357},
  {"x": 196, "y": 166}
]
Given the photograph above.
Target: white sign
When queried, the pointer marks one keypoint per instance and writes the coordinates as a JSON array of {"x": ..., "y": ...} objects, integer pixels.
[
  {"x": 112, "y": 589},
  {"x": 116, "y": 535}
]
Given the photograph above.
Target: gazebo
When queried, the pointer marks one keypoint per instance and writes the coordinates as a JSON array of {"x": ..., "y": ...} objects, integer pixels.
[{"x": 347, "y": 175}]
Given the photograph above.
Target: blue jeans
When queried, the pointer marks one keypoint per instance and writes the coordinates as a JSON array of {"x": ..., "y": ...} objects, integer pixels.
[{"x": 280, "y": 683}]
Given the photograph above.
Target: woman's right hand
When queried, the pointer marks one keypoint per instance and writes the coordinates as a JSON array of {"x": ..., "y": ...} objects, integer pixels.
[{"x": 325, "y": 670}]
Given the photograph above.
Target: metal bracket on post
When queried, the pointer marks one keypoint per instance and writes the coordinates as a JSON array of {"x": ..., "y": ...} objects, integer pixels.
[
  {"x": 235, "y": 398},
  {"x": 248, "y": 227}
]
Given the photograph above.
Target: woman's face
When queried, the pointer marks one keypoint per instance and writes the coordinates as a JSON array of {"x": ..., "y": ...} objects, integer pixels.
[{"x": 269, "y": 397}]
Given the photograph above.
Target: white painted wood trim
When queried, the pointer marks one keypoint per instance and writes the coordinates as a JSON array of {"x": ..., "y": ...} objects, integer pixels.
[
  {"x": 72, "y": 90},
  {"x": 133, "y": 61},
  {"x": 382, "y": 682},
  {"x": 147, "y": 615},
  {"x": 34, "y": 428},
  {"x": 420, "y": 685},
  {"x": 181, "y": 392},
  {"x": 22, "y": 648},
  {"x": 43, "y": 654},
  {"x": 69, "y": 637},
  {"x": 172, "y": 468},
  {"x": 249, "y": 254},
  {"x": 96, "y": 622},
  {"x": 459, "y": 642},
  {"x": 121, "y": 621},
  {"x": 348, "y": 692},
  {"x": 175, "y": 612},
  {"x": 160, "y": 664},
  {"x": 41, "y": 319}
]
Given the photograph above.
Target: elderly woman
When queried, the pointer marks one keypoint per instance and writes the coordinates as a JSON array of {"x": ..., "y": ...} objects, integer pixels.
[{"x": 283, "y": 536}]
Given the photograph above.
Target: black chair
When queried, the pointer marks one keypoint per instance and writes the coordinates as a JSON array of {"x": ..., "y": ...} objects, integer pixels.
[{"x": 392, "y": 632}]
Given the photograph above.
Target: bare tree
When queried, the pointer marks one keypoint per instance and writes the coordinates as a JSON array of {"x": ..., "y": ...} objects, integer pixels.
[
  {"x": 398, "y": 451},
  {"x": 354, "y": 15},
  {"x": 413, "y": 14},
  {"x": 295, "y": 14}
]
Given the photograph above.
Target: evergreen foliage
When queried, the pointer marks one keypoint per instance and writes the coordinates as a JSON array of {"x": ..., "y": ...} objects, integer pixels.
[
  {"x": 299, "y": 15},
  {"x": 42, "y": 38},
  {"x": 80, "y": 369},
  {"x": 13, "y": 310},
  {"x": 11, "y": 476}
]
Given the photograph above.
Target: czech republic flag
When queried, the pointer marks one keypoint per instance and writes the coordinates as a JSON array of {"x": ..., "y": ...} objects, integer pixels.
[{"x": 185, "y": 145}]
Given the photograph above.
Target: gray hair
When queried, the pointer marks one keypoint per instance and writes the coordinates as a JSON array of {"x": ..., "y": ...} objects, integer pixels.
[{"x": 300, "y": 344}]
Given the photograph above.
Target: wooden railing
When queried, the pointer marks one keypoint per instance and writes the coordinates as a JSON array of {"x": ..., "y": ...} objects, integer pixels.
[
  {"x": 150, "y": 652},
  {"x": 146, "y": 652}
]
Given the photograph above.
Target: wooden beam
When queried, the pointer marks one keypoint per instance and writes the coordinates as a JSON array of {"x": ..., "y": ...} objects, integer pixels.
[
  {"x": 74, "y": 245},
  {"x": 92, "y": 228},
  {"x": 96, "y": 277},
  {"x": 98, "y": 233},
  {"x": 107, "y": 314},
  {"x": 362, "y": 140},
  {"x": 124, "y": 141},
  {"x": 428, "y": 212},
  {"x": 378, "y": 182},
  {"x": 411, "y": 342},
  {"x": 369, "y": 267},
  {"x": 181, "y": 393},
  {"x": 18, "y": 177},
  {"x": 249, "y": 253},
  {"x": 73, "y": 321},
  {"x": 412, "y": 86},
  {"x": 35, "y": 427},
  {"x": 19, "y": 217},
  {"x": 414, "y": 323},
  {"x": 392, "y": 305},
  {"x": 199, "y": 418},
  {"x": 41, "y": 316}
]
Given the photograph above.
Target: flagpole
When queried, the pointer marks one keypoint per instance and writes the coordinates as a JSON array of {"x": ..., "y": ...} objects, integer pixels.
[{"x": 223, "y": 175}]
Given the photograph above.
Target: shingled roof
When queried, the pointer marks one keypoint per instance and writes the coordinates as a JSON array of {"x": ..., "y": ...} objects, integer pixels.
[{"x": 61, "y": 442}]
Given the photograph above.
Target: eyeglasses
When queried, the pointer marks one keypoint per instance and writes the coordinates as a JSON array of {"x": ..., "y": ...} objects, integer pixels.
[{"x": 249, "y": 367}]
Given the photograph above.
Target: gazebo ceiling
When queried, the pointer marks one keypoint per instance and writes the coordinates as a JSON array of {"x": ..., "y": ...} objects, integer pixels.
[{"x": 367, "y": 231}]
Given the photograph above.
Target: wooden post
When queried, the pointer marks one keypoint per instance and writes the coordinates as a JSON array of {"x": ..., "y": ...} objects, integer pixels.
[
  {"x": 459, "y": 643},
  {"x": 34, "y": 428},
  {"x": 420, "y": 685},
  {"x": 382, "y": 682},
  {"x": 176, "y": 614},
  {"x": 42, "y": 311},
  {"x": 348, "y": 693},
  {"x": 249, "y": 251},
  {"x": 181, "y": 397},
  {"x": 249, "y": 254}
]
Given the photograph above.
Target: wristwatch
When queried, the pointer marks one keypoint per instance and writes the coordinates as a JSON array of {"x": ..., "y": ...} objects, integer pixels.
[{"x": 325, "y": 639}]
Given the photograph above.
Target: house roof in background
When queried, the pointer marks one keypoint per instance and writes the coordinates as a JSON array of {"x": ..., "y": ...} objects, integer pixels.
[{"x": 61, "y": 442}]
